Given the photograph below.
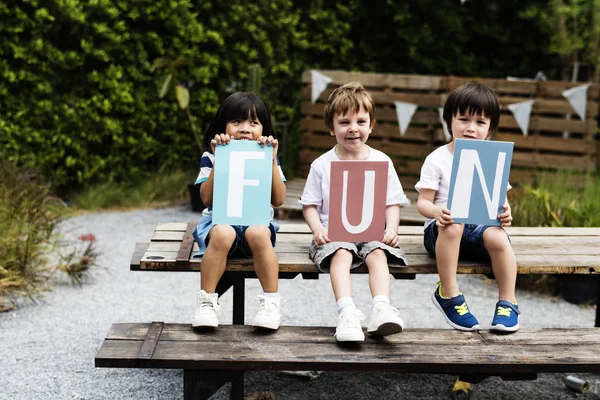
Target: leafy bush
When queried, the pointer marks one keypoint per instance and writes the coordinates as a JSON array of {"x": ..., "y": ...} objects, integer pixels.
[
  {"x": 32, "y": 249},
  {"x": 78, "y": 100}
]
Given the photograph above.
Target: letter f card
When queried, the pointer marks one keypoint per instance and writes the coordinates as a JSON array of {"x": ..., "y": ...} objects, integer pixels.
[
  {"x": 242, "y": 188},
  {"x": 479, "y": 181},
  {"x": 357, "y": 199}
]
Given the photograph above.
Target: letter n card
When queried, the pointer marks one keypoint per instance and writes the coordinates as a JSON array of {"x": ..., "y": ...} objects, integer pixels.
[
  {"x": 479, "y": 180},
  {"x": 357, "y": 199},
  {"x": 242, "y": 188}
]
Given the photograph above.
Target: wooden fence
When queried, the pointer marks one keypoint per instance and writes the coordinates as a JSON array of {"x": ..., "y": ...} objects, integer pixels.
[{"x": 557, "y": 139}]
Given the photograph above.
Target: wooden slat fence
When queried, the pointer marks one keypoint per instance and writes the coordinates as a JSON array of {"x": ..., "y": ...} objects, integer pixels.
[{"x": 547, "y": 146}]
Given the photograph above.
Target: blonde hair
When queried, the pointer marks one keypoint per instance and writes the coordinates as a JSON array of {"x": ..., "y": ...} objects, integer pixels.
[{"x": 350, "y": 96}]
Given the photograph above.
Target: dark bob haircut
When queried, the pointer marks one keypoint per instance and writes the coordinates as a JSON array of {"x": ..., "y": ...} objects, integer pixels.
[
  {"x": 472, "y": 98},
  {"x": 239, "y": 106}
]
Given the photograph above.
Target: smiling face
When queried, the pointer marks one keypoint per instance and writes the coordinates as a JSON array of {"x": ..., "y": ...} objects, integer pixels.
[
  {"x": 351, "y": 130},
  {"x": 247, "y": 129},
  {"x": 470, "y": 126}
]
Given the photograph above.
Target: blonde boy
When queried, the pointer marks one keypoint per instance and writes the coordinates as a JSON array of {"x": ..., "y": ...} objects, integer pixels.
[{"x": 349, "y": 117}]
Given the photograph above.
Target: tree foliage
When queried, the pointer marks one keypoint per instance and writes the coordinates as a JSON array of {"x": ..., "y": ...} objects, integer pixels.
[{"x": 78, "y": 99}]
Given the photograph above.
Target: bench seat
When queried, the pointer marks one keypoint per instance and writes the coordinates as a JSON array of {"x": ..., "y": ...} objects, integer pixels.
[
  {"x": 223, "y": 355},
  {"x": 440, "y": 351}
]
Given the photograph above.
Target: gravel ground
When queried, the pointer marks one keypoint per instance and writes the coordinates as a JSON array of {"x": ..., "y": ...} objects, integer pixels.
[{"x": 47, "y": 349}]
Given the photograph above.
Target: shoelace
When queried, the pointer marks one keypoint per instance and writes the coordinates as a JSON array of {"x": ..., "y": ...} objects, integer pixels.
[
  {"x": 347, "y": 318},
  {"x": 462, "y": 309},
  {"x": 266, "y": 304},
  {"x": 503, "y": 311},
  {"x": 390, "y": 308},
  {"x": 206, "y": 302}
]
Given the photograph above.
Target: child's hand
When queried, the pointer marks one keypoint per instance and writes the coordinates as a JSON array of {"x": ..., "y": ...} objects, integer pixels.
[
  {"x": 320, "y": 236},
  {"x": 506, "y": 217},
  {"x": 269, "y": 141},
  {"x": 442, "y": 217},
  {"x": 223, "y": 138},
  {"x": 391, "y": 238}
]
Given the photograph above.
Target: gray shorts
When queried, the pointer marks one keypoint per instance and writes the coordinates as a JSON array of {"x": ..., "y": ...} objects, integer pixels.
[{"x": 321, "y": 255}]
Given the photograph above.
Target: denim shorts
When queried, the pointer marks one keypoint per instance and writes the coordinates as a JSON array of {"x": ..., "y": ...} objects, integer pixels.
[
  {"x": 201, "y": 231},
  {"x": 471, "y": 243},
  {"x": 321, "y": 255}
]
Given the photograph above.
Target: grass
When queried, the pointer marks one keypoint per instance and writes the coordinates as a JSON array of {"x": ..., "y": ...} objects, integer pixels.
[
  {"x": 558, "y": 200},
  {"x": 163, "y": 188},
  {"x": 32, "y": 247}
]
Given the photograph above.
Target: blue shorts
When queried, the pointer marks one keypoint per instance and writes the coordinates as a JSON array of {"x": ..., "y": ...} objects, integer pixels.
[
  {"x": 201, "y": 231},
  {"x": 471, "y": 243}
]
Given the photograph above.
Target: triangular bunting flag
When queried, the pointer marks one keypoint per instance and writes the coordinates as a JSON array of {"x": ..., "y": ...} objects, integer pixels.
[
  {"x": 577, "y": 97},
  {"x": 319, "y": 83},
  {"x": 521, "y": 111},
  {"x": 447, "y": 134},
  {"x": 404, "y": 112}
]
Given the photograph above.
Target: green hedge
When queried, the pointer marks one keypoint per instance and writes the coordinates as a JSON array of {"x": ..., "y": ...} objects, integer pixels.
[
  {"x": 78, "y": 99},
  {"x": 77, "y": 96}
]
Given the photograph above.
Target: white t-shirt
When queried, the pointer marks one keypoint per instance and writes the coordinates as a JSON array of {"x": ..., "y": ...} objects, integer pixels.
[
  {"x": 435, "y": 175},
  {"x": 316, "y": 191}
]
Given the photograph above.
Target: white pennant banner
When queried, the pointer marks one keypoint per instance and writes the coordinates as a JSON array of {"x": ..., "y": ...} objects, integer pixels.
[
  {"x": 522, "y": 111},
  {"x": 447, "y": 134},
  {"x": 319, "y": 83},
  {"x": 404, "y": 112},
  {"x": 577, "y": 97}
]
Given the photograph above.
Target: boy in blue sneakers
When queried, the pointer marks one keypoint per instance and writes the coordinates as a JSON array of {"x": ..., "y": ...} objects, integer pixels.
[{"x": 472, "y": 112}]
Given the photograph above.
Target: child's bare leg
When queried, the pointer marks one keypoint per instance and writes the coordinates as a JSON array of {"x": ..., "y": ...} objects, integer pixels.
[
  {"x": 266, "y": 265},
  {"x": 504, "y": 264},
  {"x": 339, "y": 272},
  {"x": 446, "y": 254},
  {"x": 379, "y": 273},
  {"x": 215, "y": 257}
]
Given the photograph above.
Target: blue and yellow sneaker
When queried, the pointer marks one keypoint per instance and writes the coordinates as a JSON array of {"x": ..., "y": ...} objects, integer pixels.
[
  {"x": 506, "y": 317},
  {"x": 455, "y": 310}
]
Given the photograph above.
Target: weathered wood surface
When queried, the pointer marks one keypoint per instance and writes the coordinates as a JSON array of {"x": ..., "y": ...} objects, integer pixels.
[
  {"x": 294, "y": 188},
  {"x": 545, "y": 147},
  {"x": 538, "y": 251},
  {"x": 242, "y": 348}
]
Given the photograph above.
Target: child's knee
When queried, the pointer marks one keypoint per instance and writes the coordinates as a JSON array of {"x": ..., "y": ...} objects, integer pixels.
[
  {"x": 376, "y": 257},
  {"x": 221, "y": 237},
  {"x": 452, "y": 231},
  {"x": 495, "y": 240},
  {"x": 342, "y": 255},
  {"x": 257, "y": 236}
]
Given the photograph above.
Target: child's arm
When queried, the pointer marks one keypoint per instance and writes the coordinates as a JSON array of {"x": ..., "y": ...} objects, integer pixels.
[
  {"x": 392, "y": 220},
  {"x": 311, "y": 215},
  {"x": 206, "y": 189},
  {"x": 427, "y": 209},
  {"x": 278, "y": 189},
  {"x": 506, "y": 217}
]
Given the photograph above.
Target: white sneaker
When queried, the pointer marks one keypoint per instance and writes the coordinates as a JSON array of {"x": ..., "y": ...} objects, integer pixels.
[
  {"x": 349, "y": 328},
  {"x": 269, "y": 312},
  {"x": 206, "y": 310},
  {"x": 384, "y": 320}
]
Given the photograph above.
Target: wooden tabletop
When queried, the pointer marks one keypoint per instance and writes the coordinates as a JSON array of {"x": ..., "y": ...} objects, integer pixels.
[{"x": 538, "y": 251}]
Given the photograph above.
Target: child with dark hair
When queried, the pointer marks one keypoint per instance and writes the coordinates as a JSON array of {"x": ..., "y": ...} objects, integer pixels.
[
  {"x": 471, "y": 112},
  {"x": 242, "y": 116}
]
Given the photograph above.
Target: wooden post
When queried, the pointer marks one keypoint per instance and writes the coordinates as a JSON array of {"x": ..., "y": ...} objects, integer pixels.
[{"x": 238, "y": 300}]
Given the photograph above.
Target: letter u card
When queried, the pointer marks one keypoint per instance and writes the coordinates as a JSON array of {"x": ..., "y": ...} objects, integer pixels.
[
  {"x": 242, "y": 188},
  {"x": 479, "y": 181},
  {"x": 357, "y": 199}
]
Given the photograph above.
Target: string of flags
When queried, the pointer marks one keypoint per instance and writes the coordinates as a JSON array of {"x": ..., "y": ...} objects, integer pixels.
[{"x": 576, "y": 96}]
